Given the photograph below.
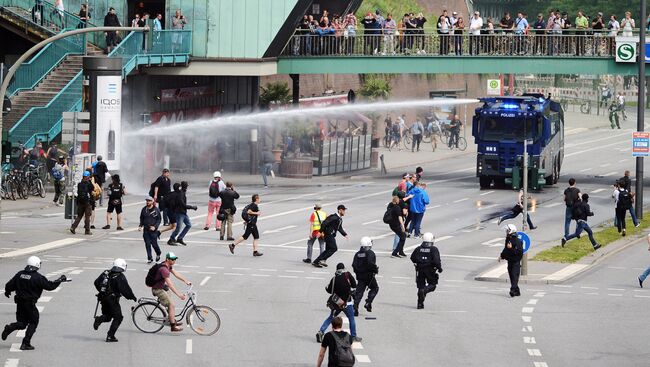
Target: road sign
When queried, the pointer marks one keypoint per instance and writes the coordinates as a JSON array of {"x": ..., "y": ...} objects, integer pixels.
[
  {"x": 525, "y": 240},
  {"x": 640, "y": 143},
  {"x": 494, "y": 87},
  {"x": 81, "y": 126},
  {"x": 625, "y": 51},
  {"x": 68, "y": 138},
  {"x": 80, "y": 115}
]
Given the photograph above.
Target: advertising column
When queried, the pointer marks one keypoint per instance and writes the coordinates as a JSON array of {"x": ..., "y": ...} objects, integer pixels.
[{"x": 104, "y": 79}]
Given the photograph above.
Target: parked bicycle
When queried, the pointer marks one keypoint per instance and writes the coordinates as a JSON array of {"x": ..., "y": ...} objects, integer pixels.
[
  {"x": 33, "y": 183},
  {"x": 585, "y": 107},
  {"x": 150, "y": 317}
]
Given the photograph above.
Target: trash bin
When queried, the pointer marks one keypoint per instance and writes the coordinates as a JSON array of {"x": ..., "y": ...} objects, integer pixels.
[{"x": 68, "y": 205}]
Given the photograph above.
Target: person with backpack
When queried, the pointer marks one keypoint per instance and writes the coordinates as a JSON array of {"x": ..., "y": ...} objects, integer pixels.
[
  {"x": 581, "y": 211},
  {"x": 96, "y": 195},
  {"x": 159, "y": 188},
  {"x": 99, "y": 171},
  {"x": 115, "y": 192},
  {"x": 516, "y": 210},
  {"x": 623, "y": 199},
  {"x": 394, "y": 216},
  {"x": 426, "y": 259},
  {"x": 214, "y": 201},
  {"x": 627, "y": 184},
  {"x": 249, "y": 214},
  {"x": 512, "y": 252},
  {"x": 315, "y": 221},
  {"x": 58, "y": 179},
  {"x": 178, "y": 205},
  {"x": 341, "y": 287},
  {"x": 158, "y": 278},
  {"x": 227, "y": 210},
  {"x": 28, "y": 284},
  {"x": 85, "y": 203},
  {"x": 365, "y": 267},
  {"x": 571, "y": 196},
  {"x": 339, "y": 344},
  {"x": 149, "y": 223},
  {"x": 332, "y": 224},
  {"x": 111, "y": 285}
]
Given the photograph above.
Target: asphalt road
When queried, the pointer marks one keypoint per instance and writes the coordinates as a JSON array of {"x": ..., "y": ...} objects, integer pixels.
[{"x": 272, "y": 306}]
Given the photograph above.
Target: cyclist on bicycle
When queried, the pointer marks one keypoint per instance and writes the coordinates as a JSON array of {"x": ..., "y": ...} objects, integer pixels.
[
  {"x": 454, "y": 128},
  {"x": 164, "y": 284}
]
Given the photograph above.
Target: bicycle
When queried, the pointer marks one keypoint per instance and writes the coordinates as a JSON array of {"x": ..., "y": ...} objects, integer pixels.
[
  {"x": 585, "y": 107},
  {"x": 150, "y": 317},
  {"x": 461, "y": 144},
  {"x": 407, "y": 139},
  {"x": 33, "y": 182}
]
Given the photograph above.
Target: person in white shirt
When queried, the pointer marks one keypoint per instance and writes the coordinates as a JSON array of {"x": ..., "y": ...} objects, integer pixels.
[
  {"x": 214, "y": 200},
  {"x": 475, "y": 25},
  {"x": 389, "y": 34},
  {"x": 627, "y": 24}
]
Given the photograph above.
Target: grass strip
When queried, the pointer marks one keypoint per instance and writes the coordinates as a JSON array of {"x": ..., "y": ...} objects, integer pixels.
[{"x": 576, "y": 249}]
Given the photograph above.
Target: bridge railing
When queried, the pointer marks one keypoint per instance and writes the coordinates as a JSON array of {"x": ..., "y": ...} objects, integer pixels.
[{"x": 574, "y": 44}]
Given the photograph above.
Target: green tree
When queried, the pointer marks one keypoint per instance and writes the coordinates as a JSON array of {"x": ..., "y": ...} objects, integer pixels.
[
  {"x": 275, "y": 93},
  {"x": 375, "y": 88}
]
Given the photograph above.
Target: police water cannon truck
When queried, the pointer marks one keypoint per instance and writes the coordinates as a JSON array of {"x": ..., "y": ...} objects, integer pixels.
[{"x": 502, "y": 125}]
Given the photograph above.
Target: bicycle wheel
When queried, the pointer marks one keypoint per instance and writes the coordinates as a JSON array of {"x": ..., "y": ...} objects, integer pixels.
[
  {"x": 585, "y": 108},
  {"x": 444, "y": 137},
  {"x": 426, "y": 137},
  {"x": 203, "y": 320},
  {"x": 148, "y": 317},
  {"x": 462, "y": 143},
  {"x": 23, "y": 191},
  {"x": 40, "y": 189},
  {"x": 11, "y": 190},
  {"x": 406, "y": 140}
]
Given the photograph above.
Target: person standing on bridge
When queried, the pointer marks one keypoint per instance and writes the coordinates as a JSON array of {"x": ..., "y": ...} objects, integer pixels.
[
  {"x": 475, "y": 26},
  {"x": 512, "y": 252},
  {"x": 111, "y": 20},
  {"x": 443, "y": 26},
  {"x": 332, "y": 224}
]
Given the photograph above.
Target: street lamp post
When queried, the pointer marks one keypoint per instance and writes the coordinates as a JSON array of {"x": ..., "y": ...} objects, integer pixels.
[
  {"x": 40, "y": 45},
  {"x": 640, "y": 111}
]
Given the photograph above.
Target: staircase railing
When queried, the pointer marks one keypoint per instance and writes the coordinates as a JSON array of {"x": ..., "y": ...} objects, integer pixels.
[{"x": 31, "y": 73}]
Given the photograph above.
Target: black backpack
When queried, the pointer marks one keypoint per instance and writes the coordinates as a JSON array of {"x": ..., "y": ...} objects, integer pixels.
[
  {"x": 104, "y": 284},
  {"x": 152, "y": 275},
  {"x": 388, "y": 215},
  {"x": 624, "y": 199},
  {"x": 577, "y": 211},
  {"x": 214, "y": 189},
  {"x": 244, "y": 213},
  {"x": 343, "y": 352}
]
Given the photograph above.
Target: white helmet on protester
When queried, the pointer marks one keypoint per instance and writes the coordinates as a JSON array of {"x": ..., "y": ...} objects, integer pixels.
[
  {"x": 216, "y": 174},
  {"x": 119, "y": 265},
  {"x": 366, "y": 242},
  {"x": 510, "y": 228},
  {"x": 34, "y": 262}
]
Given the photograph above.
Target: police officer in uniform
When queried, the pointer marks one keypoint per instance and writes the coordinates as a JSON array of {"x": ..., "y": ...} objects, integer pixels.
[
  {"x": 512, "y": 252},
  {"x": 112, "y": 285},
  {"x": 426, "y": 259},
  {"x": 365, "y": 268},
  {"x": 28, "y": 285}
]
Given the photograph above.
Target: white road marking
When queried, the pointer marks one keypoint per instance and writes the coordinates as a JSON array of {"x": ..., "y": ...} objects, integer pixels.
[
  {"x": 357, "y": 345},
  {"x": 233, "y": 274},
  {"x": 614, "y": 295},
  {"x": 540, "y": 364},
  {"x": 295, "y": 271},
  {"x": 605, "y": 165},
  {"x": 527, "y": 309},
  {"x": 529, "y": 340},
  {"x": 407, "y": 278},
  {"x": 267, "y": 269},
  {"x": 214, "y": 267},
  {"x": 278, "y": 230},
  {"x": 552, "y": 205},
  {"x": 383, "y": 236},
  {"x": 486, "y": 193},
  {"x": 316, "y": 278},
  {"x": 288, "y": 276},
  {"x": 260, "y": 275},
  {"x": 640, "y": 296},
  {"x": 622, "y": 160},
  {"x": 292, "y": 242},
  {"x": 563, "y": 286},
  {"x": 7, "y": 232},
  {"x": 497, "y": 272},
  {"x": 610, "y": 174},
  {"x": 371, "y": 222},
  {"x": 493, "y": 242},
  {"x": 40, "y": 248},
  {"x": 526, "y": 318},
  {"x": 592, "y": 294},
  {"x": 443, "y": 238},
  {"x": 362, "y": 358},
  {"x": 532, "y": 302},
  {"x": 44, "y": 299},
  {"x": 568, "y": 270},
  {"x": 76, "y": 272},
  {"x": 21, "y": 333},
  {"x": 588, "y": 287},
  {"x": 597, "y": 191},
  {"x": 585, "y": 170},
  {"x": 534, "y": 353},
  {"x": 205, "y": 280},
  {"x": 40, "y": 308},
  {"x": 188, "y": 346},
  {"x": 460, "y": 200},
  {"x": 528, "y": 329},
  {"x": 11, "y": 362},
  {"x": 15, "y": 347},
  {"x": 539, "y": 294},
  {"x": 206, "y": 272},
  {"x": 241, "y": 268},
  {"x": 616, "y": 289}
]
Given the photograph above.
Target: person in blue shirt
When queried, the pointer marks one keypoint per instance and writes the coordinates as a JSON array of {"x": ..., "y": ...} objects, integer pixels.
[
  {"x": 418, "y": 205},
  {"x": 521, "y": 27}
]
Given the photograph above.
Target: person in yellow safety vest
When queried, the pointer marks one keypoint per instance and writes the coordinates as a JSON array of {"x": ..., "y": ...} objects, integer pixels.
[{"x": 316, "y": 218}]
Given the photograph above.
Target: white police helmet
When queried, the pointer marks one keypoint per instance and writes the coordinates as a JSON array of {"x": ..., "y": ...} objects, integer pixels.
[
  {"x": 366, "y": 242},
  {"x": 510, "y": 228},
  {"x": 427, "y": 237},
  {"x": 119, "y": 265},
  {"x": 34, "y": 261}
]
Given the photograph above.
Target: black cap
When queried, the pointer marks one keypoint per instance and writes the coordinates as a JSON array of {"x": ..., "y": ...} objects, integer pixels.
[
  {"x": 341, "y": 207},
  {"x": 340, "y": 266}
]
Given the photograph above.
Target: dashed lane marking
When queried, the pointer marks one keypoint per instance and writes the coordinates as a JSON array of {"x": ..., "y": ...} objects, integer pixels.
[
  {"x": 585, "y": 169},
  {"x": 288, "y": 276},
  {"x": 527, "y": 329},
  {"x": 76, "y": 272},
  {"x": 361, "y": 358},
  {"x": 614, "y": 295},
  {"x": 11, "y": 362},
  {"x": 540, "y": 364},
  {"x": 205, "y": 280},
  {"x": 460, "y": 200},
  {"x": 357, "y": 345},
  {"x": 526, "y": 318},
  {"x": 552, "y": 205},
  {"x": 534, "y": 353},
  {"x": 527, "y": 309},
  {"x": 279, "y": 229},
  {"x": 233, "y": 274},
  {"x": 532, "y": 302},
  {"x": 21, "y": 333},
  {"x": 493, "y": 242},
  {"x": 15, "y": 347},
  {"x": 188, "y": 346},
  {"x": 529, "y": 340},
  {"x": 45, "y": 299},
  {"x": 371, "y": 222},
  {"x": 486, "y": 193}
]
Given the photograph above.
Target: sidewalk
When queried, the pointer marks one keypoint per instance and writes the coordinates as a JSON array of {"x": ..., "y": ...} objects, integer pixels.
[{"x": 542, "y": 272}]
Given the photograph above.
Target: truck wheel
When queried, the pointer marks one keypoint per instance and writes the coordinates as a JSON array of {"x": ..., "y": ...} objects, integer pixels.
[
  {"x": 550, "y": 180},
  {"x": 484, "y": 182},
  {"x": 557, "y": 173}
]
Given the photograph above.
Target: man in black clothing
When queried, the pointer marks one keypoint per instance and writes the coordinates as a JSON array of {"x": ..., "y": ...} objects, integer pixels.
[
  {"x": 426, "y": 259},
  {"x": 178, "y": 205},
  {"x": 454, "y": 128},
  {"x": 149, "y": 223},
  {"x": 28, "y": 285},
  {"x": 571, "y": 196},
  {"x": 581, "y": 211},
  {"x": 626, "y": 183},
  {"x": 330, "y": 341},
  {"x": 228, "y": 197},
  {"x": 112, "y": 285},
  {"x": 540, "y": 29},
  {"x": 365, "y": 267},
  {"x": 100, "y": 170},
  {"x": 512, "y": 253},
  {"x": 159, "y": 189},
  {"x": 249, "y": 215},
  {"x": 85, "y": 203},
  {"x": 341, "y": 285},
  {"x": 332, "y": 224},
  {"x": 398, "y": 213},
  {"x": 111, "y": 20}
]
